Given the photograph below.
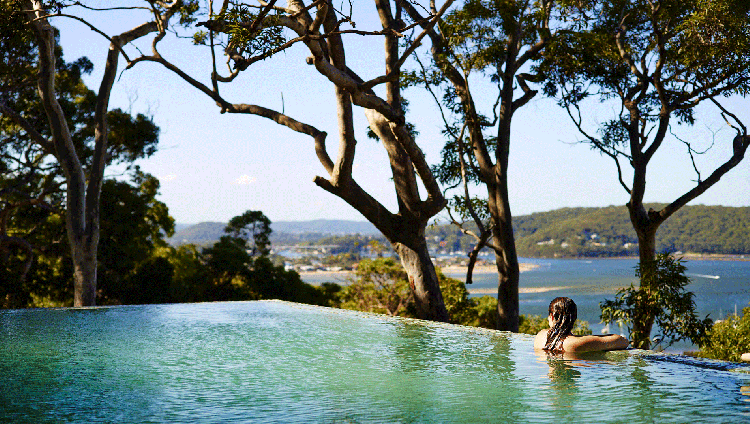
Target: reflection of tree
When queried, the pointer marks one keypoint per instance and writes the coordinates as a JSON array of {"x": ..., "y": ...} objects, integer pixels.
[
  {"x": 468, "y": 372},
  {"x": 643, "y": 394},
  {"x": 563, "y": 381}
]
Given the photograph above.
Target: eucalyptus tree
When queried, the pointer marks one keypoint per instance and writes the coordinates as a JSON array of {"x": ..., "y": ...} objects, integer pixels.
[
  {"x": 658, "y": 61},
  {"x": 34, "y": 256},
  {"x": 254, "y": 228},
  {"x": 249, "y": 33},
  {"x": 500, "y": 39},
  {"x": 83, "y": 186}
]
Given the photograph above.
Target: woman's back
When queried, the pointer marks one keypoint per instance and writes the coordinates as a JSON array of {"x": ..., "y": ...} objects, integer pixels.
[{"x": 590, "y": 343}]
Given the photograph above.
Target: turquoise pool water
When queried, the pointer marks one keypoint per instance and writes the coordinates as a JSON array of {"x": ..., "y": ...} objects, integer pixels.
[{"x": 281, "y": 362}]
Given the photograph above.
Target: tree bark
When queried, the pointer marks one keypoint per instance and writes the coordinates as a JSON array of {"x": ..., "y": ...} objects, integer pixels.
[
  {"x": 645, "y": 227},
  {"x": 506, "y": 260},
  {"x": 423, "y": 279}
]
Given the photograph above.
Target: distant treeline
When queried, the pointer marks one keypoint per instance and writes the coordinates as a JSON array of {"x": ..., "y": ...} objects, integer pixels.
[{"x": 567, "y": 232}]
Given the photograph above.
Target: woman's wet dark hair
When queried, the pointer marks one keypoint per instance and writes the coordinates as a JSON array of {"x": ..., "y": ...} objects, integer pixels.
[{"x": 564, "y": 313}]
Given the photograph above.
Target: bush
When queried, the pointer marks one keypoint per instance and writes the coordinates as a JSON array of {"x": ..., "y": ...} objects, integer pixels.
[
  {"x": 460, "y": 308},
  {"x": 533, "y": 324},
  {"x": 728, "y": 339},
  {"x": 381, "y": 286},
  {"x": 661, "y": 299}
]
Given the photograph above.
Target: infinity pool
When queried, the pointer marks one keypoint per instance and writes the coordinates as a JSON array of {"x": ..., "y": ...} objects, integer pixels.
[{"x": 282, "y": 362}]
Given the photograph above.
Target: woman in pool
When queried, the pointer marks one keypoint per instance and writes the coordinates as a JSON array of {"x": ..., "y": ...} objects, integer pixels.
[{"x": 558, "y": 338}]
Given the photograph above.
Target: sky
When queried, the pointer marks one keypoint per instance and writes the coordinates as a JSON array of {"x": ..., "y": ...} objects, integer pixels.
[{"x": 213, "y": 167}]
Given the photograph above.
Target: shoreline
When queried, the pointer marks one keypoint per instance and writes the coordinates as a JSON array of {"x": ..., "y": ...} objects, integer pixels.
[
  {"x": 453, "y": 269},
  {"x": 343, "y": 276},
  {"x": 686, "y": 256}
]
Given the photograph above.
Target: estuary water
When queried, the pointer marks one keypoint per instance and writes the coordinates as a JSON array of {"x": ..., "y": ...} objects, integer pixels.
[{"x": 720, "y": 287}]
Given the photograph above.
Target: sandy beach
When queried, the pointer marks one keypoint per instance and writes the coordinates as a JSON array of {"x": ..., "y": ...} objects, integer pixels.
[
  {"x": 485, "y": 269},
  {"x": 344, "y": 276}
]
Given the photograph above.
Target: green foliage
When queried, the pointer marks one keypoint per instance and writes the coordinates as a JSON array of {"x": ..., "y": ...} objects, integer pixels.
[
  {"x": 728, "y": 339},
  {"x": 345, "y": 260},
  {"x": 533, "y": 324},
  {"x": 379, "y": 286},
  {"x": 659, "y": 61},
  {"x": 486, "y": 309},
  {"x": 462, "y": 205},
  {"x": 32, "y": 185},
  {"x": 253, "y": 229},
  {"x": 133, "y": 225},
  {"x": 248, "y": 41},
  {"x": 187, "y": 11},
  {"x": 661, "y": 295},
  {"x": 460, "y": 307},
  {"x": 200, "y": 38}
]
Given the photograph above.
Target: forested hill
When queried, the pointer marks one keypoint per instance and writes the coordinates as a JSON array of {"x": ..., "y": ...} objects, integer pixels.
[
  {"x": 568, "y": 232},
  {"x": 284, "y": 232},
  {"x": 608, "y": 232}
]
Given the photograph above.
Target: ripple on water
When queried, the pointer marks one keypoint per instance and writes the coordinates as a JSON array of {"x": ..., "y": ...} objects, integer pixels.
[{"x": 281, "y": 362}]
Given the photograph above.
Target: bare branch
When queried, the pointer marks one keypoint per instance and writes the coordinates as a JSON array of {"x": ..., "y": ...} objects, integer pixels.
[
  {"x": 740, "y": 144},
  {"x": 528, "y": 94},
  {"x": 103, "y": 9},
  {"x": 621, "y": 30},
  {"x": 601, "y": 147},
  {"x": 725, "y": 113},
  {"x": 416, "y": 43},
  {"x": 36, "y": 137}
]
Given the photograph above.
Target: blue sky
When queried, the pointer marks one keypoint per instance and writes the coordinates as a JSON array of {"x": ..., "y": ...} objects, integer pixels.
[{"x": 213, "y": 167}]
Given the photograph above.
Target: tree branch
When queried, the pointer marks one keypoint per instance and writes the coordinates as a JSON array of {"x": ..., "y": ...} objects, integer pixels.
[{"x": 36, "y": 137}]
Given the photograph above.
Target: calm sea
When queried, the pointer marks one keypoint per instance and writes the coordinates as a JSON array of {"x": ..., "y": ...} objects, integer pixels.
[{"x": 720, "y": 287}]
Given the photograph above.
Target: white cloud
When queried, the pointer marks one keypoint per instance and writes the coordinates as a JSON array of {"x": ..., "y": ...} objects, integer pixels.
[
  {"x": 245, "y": 180},
  {"x": 167, "y": 178}
]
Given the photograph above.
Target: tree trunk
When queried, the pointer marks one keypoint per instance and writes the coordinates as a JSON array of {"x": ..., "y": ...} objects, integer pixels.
[
  {"x": 84, "y": 271},
  {"x": 83, "y": 189},
  {"x": 645, "y": 229},
  {"x": 508, "y": 272},
  {"x": 423, "y": 281},
  {"x": 506, "y": 258}
]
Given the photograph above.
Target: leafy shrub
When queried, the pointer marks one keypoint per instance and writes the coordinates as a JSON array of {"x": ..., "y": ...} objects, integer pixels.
[
  {"x": 533, "y": 324},
  {"x": 662, "y": 299},
  {"x": 380, "y": 286},
  {"x": 728, "y": 339}
]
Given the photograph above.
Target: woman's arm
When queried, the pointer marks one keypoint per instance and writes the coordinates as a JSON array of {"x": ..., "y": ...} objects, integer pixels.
[{"x": 594, "y": 343}]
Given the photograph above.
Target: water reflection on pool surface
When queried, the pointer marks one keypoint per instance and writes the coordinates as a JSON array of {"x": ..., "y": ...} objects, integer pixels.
[{"x": 284, "y": 362}]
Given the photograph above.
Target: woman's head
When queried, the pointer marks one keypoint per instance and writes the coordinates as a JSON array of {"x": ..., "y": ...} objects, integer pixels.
[{"x": 563, "y": 313}]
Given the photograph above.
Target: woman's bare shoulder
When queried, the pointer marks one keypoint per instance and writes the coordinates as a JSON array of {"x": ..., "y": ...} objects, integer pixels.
[
  {"x": 594, "y": 343},
  {"x": 540, "y": 340}
]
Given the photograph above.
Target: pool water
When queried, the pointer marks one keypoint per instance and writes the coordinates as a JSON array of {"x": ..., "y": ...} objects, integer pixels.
[{"x": 271, "y": 361}]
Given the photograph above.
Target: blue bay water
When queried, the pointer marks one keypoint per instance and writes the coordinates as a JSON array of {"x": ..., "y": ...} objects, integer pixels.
[{"x": 719, "y": 286}]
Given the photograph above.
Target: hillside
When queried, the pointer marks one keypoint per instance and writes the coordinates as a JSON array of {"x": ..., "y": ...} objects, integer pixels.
[
  {"x": 595, "y": 232},
  {"x": 284, "y": 232},
  {"x": 567, "y": 232}
]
